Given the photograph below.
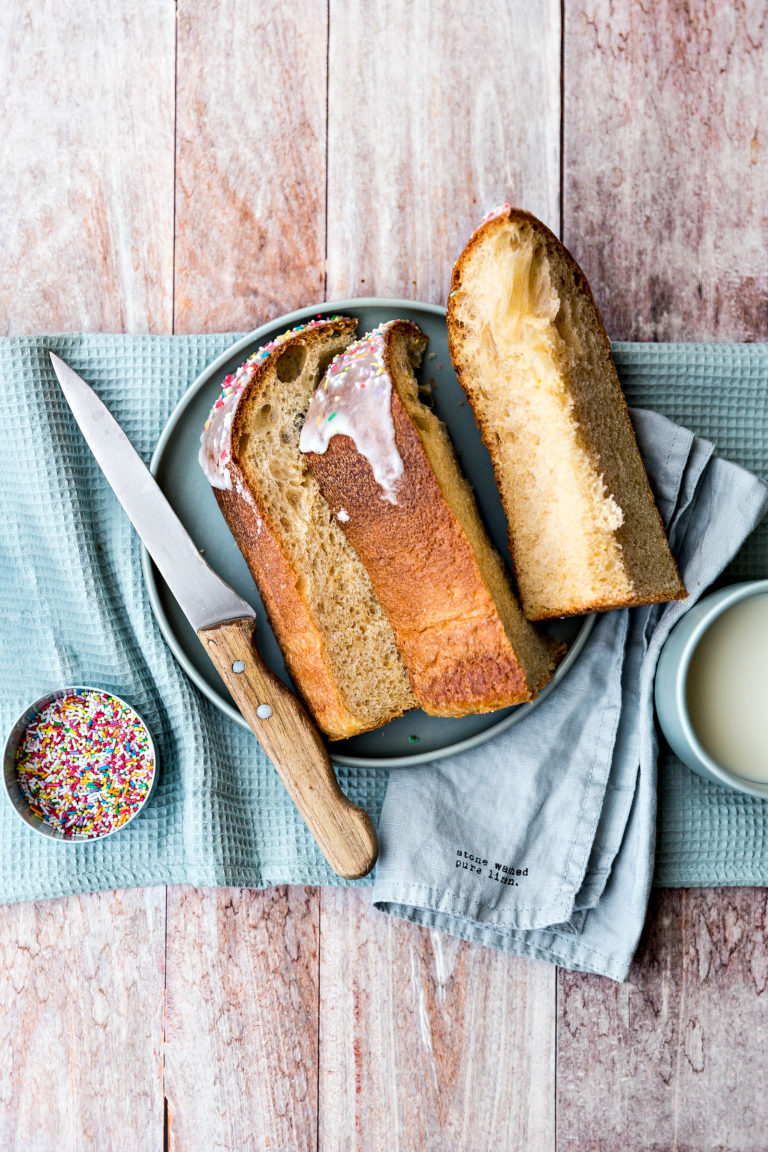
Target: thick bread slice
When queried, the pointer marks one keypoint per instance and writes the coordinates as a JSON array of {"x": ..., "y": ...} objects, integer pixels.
[
  {"x": 461, "y": 633},
  {"x": 337, "y": 642},
  {"x": 534, "y": 359}
]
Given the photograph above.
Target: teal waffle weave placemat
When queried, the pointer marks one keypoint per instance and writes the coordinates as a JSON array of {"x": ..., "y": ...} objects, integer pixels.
[
  {"x": 706, "y": 834},
  {"x": 74, "y": 610}
]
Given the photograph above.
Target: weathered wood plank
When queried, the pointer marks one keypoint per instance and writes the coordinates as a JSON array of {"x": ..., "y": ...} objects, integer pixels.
[
  {"x": 86, "y": 205},
  {"x": 242, "y": 1033},
  {"x": 436, "y": 111},
  {"x": 81, "y": 1026},
  {"x": 241, "y": 1019},
  {"x": 86, "y": 198},
  {"x": 666, "y": 165},
  {"x": 250, "y": 172},
  {"x": 427, "y": 1042},
  {"x": 675, "y": 1058},
  {"x": 665, "y": 206}
]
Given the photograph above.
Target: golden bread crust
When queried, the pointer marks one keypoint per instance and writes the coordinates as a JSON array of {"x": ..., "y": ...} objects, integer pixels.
[{"x": 298, "y": 636}]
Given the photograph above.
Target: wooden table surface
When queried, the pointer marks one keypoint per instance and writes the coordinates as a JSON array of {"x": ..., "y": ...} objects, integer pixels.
[{"x": 203, "y": 166}]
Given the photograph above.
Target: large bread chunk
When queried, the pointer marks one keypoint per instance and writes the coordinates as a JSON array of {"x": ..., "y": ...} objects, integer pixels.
[
  {"x": 532, "y": 355},
  {"x": 338, "y": 644},
  {"x": 386, "y": 466}
]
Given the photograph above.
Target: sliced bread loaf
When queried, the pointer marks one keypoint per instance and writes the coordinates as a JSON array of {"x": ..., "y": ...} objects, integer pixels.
[
  {"x": 338, "y": 644},
  {"x": 385, "y": 464},
  {"x": 532, "y": 355}
]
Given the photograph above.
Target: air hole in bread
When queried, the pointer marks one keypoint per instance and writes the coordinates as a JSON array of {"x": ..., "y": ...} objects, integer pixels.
[
  {"x": 426, "y": 394},
  {"x": 261, "y": 418},
  {"x": 420, "y": 420},
  {"x": 290, "y": 364},
  {"x": 323, "y": 363}
]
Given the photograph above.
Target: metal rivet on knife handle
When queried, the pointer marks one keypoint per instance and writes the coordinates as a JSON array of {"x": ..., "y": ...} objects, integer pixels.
[{"x": 343, "y": 831}]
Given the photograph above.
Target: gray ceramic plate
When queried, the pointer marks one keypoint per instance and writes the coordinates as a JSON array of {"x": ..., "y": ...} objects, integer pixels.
[{"x": 175, "y": 466}]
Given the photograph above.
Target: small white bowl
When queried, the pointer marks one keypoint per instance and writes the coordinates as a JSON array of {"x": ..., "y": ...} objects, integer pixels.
[
  {"x": 19, "y": 801},
  {"x": 670, "y": 689}
]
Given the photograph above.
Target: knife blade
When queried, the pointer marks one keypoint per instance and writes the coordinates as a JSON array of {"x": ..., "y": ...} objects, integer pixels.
[
  {"x": 226, "y": 626},
  {"x": 203, "y": 596}
]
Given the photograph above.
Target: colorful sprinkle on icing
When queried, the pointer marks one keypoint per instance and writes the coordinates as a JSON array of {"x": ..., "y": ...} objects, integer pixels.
[
  {"x": 215, "y": 441},
  {"x": 85, "y": 764},
  {"x": 357, "y": 382},
  {"x": 497, "y": 210}
]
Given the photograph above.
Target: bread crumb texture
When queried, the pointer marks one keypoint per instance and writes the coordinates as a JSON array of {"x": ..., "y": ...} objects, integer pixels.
[
  {"x": 338, "y": 643},
  {"x": 533, "y": 357}
]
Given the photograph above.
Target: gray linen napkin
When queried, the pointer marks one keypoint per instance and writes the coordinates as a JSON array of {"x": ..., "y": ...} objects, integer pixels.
[{"x": 541, "y": 841}]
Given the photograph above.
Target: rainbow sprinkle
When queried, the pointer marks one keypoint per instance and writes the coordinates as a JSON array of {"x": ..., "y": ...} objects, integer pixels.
[
  {"x": 356, "y": 393},
  {"x": 85, "y": 764},
  {"x": 215, "y": 442},
  {"x": 496, "y": 210},
  {"x": 235, "y": 382},
  {"x": 368, "y": 348}
]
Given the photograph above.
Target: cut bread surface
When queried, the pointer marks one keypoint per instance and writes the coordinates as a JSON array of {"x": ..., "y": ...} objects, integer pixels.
[
  {"x": 461, "y": 633},
  {"x": 337, "y": 641},
  {"x": 532, "y": 355}
]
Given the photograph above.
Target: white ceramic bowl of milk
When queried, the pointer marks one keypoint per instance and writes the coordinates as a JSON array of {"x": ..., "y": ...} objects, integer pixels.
[{"x": 712, "y": 688}]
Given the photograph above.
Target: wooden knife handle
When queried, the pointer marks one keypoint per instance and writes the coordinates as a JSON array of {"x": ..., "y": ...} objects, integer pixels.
[{"x": 290, "y": 738}]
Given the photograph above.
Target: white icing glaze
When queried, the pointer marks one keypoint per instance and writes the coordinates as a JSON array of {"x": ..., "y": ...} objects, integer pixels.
[
  {"x": 215, "y": 441},
  {"x": 354, "y": 401}
]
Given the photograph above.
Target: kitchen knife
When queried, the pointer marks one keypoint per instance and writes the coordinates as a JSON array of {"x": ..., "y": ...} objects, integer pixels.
[{"x": 226, "y": 626}]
